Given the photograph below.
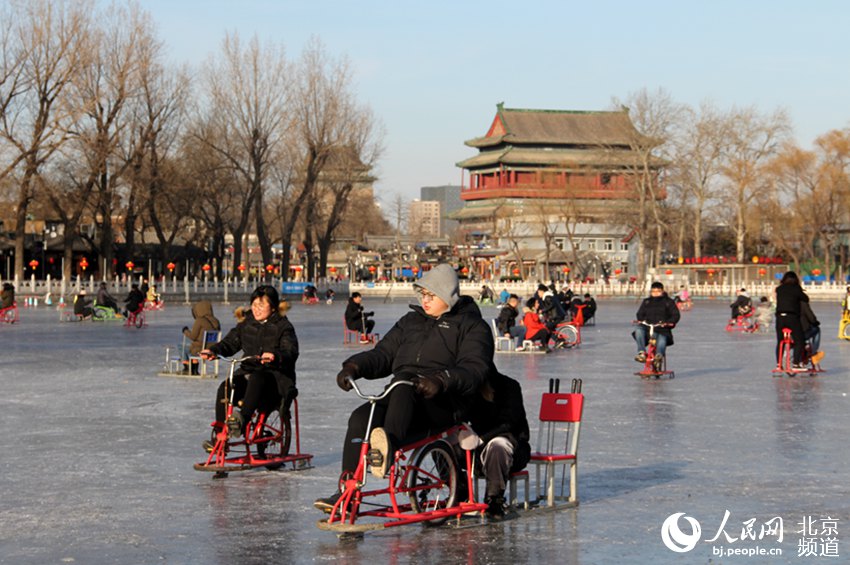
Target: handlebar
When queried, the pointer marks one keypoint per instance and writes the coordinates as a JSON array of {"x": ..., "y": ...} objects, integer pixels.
[
  {"x": 658, "y": 325},
  {"x": 375, "y": 398}
]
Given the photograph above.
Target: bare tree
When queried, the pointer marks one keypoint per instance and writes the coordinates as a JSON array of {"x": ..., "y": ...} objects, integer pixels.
[
  {"x": 246, "y": 121},
  {"x": 698, "y": 163},
  {"x": 754, "y": 139},
  {"x": 656, "y": 118},
  {"x": 326, "y": 121},
  {"x": 48, "y": 46}
]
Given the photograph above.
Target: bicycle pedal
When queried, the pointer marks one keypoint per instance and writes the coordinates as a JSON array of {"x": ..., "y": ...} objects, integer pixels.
[{"x": 374, "y": 458}]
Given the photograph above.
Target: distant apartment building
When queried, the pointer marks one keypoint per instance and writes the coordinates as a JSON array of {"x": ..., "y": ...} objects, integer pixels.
[
  {"x": 423, "y": 218},
  {"x": 449, "y": 198}
]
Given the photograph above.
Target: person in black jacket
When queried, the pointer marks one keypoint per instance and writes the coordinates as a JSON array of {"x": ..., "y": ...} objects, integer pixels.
[
  {"x": 82, "y": 305},
  {"x": 444, "y": 348},
  {"x": 657, "y": 309},
  {"x": 551, "y": 310},
  {"x": 742, "y": 306},
  {"x": 506, "y": 322},
  {"x": 811, "y": 331},
  {"x": 356, "y": 319},
  {"x": 498, "y": 417},
  {"x": 589, "y": 308},
  {"x": 789, "y": 295},
  {"x": 267, "y": 334},
  {"x": 135, "y": 299}
]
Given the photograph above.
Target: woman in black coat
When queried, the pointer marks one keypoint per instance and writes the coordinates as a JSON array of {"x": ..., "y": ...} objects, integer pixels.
[
  {"x": 268, "y": 381},
  {"x": 789, "y": 295}
]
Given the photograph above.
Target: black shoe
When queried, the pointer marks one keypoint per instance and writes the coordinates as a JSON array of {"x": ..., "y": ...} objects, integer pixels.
[
  {"x": 495, "y": 507},
  {"x": 208, "y": 446},
  {"x": 196, "y": 368},
  {"x": 327, "y": 504}
]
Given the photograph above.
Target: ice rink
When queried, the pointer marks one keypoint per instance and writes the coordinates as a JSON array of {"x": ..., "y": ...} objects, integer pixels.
[{"x": 97, "y": 451}]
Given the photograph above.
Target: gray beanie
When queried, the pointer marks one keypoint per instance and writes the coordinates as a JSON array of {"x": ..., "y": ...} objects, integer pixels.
[{"x": 442, "y": 281}]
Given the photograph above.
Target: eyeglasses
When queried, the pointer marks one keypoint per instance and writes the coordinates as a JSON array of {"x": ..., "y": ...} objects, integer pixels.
[{"x": 425, "y": 296}]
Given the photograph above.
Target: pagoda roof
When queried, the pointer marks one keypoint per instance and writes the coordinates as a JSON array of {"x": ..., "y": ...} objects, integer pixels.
[
  {"x": 558, "y": 127},
  {"x": 555, "y": 157}
]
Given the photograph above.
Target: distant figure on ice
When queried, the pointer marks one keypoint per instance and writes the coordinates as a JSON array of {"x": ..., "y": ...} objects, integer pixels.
[
  {"x": 356, "y": 319},
  {"x": 205, "y": 320},
  {"x": 135, "y": 300},
  {"x": 742, "y": 306},
  {"x": 82, "y": 305},
  {"x": 105, "y": 299},
  {"x": 7, "y": 296},
  {"x": 658, "y": 308},
  {"x": 789, "y": 296}
]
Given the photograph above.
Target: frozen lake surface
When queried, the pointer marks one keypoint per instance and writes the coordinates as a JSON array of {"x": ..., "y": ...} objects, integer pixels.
[{"x": 97, "y": 451}]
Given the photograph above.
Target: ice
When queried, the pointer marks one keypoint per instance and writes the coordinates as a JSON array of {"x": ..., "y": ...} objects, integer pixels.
[{"x": 98, "y": 450}]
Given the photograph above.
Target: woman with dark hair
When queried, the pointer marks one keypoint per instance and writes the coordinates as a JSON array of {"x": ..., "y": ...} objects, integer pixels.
[
  {"x": 266, "y": 333},
  {"x": 789, "y": 295}
]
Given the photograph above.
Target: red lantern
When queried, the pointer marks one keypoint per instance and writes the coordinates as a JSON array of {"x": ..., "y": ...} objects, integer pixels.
[
  {"x": 372, "y": 268},
  {"x": 464, "y": 270},
  {"x": 170, "y": 267},
  {"x": 240, "y": 268},
  {"x": 129, "y": 265},
  {"x": 415, "y": 270},
  {"x": 33, "y": 264},
  {"x": 516, "y": 271},
  {"x": 269, "y": 268},
  {"x": 332, "y": 269},
  {"x": 710, "y": 272},
  {"x": 816, "y": 272},
  {"x": 618, "y": 271},
  {"x": 762, "y": 272},
  {"x": 206, "y": 267},
  {"x": 566, "y": 269},
  {"x": 668, "y": 272},
  {"x": 83, "y": 263},
  {"x": 298, "y": 268}
]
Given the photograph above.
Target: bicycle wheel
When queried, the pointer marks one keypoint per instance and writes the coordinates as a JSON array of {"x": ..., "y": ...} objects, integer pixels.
[
  {"x": 280, "y": 437},
  {"x": 845, "y": 331},
  {"x": 568, "y": 334},
  {"x": 432, "y": 481},
  {"x": 140, "y": 320},
  {"x": 9, "y": 315}
]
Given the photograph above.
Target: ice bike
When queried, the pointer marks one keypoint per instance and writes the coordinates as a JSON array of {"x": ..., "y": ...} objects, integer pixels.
[
  {"x": 786, "y": 354},
  {"x": 266, "y": 442},
  {"x": 654, "y": 367},
  {"x": 424, "y": 472}
]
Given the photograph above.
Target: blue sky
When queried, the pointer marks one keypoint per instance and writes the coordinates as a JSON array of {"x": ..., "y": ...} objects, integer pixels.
[{"x": 434, "y": 71}]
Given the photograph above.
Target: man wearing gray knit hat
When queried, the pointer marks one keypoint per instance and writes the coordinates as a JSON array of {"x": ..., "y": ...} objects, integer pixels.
[{"x": 444, "y": 348}]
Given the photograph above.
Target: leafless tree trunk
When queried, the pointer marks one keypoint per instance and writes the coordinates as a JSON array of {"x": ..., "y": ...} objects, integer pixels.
[{"x": 48, "y": 45}]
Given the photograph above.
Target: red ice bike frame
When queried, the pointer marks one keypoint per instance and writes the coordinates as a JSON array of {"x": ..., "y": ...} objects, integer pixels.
[
  {"x": 266, "y": 442},
  {"x": 786, "y": 353},
  {"x": 425, "y": 472},
  {"x": 649, "y": 368},
  {"x": 744, "y": 323}
]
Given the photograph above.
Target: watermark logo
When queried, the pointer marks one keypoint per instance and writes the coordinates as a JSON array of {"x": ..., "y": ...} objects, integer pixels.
[{"x": 677, "y": 540}]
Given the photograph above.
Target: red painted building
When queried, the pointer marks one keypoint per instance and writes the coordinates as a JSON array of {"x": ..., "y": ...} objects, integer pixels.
[{"x": 552, "y": 154}]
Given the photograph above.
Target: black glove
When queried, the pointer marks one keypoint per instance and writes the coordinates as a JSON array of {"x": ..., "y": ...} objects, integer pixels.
[
  {"x": 348, "y": 371},
  {"x": 367, "y": 314},
  {"x": 430, "y": 385}
]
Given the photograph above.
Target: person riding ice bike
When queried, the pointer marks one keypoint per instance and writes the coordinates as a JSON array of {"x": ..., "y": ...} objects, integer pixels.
[
  {"x": 658, "y": 308},
  {"x": 444, "y": 348}
]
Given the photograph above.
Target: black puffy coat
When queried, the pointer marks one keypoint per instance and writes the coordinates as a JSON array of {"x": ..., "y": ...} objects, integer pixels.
[
  {"x": 275, "y": 335},
  {"x": 506, "y": 319},
  {"x": 459, "y": 342},
  {"x": 353, "y": 315},
  {"x": 659, "y": 309},
  {"x": 788, "y": 298},
  {"x": 504, "y": 415}
]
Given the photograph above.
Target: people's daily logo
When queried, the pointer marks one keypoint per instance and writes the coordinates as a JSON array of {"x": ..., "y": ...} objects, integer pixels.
[{"x": 677, "y": 540}]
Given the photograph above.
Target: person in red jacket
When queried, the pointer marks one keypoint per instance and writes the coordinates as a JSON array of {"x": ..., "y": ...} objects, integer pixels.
[{"x": 535, "y": 329}]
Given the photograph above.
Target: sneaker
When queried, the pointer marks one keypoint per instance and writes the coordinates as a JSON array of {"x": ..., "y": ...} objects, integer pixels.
[
  {"x": 520, "y": 348},
  {"x": 641, "y": 357},
  {"x": 799, "y": 367},
  {"x": 380, "y": 452},
  {"x": 495, "y": 507},
  {"x": 235, "y": 424},
  {"x": 817, "y": 357},
  {"x": 327, "y": 504}
]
